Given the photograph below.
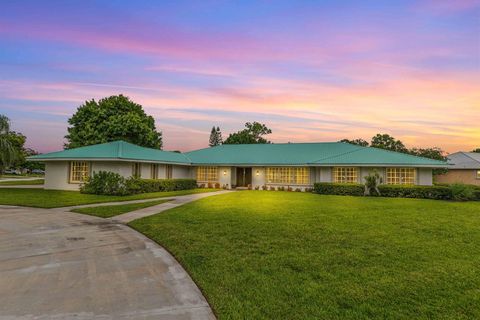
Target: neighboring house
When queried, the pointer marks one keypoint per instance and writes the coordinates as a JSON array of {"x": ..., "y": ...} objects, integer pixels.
[
  {"x": 298, "y": 165},
  {"x": 464, "y": 167}
]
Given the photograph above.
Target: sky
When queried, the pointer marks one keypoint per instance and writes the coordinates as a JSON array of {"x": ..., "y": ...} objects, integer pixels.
[{"x": 312, "y": 71}]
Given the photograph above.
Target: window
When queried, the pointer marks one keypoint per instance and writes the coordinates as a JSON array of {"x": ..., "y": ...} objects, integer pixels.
[
  {"x": 79, "y": 171},
  {"x": 401, "y": 176},
  {"x": 345, "y": 175},
  {"x": 207, "y": 174},
  {"x": 168, "y": 171},
  {"x": 288, "y": 175},
  {"x": 137, "y": 170},
  {"x": 154, "y": 171},
  {"x": 478, "y": 174}
]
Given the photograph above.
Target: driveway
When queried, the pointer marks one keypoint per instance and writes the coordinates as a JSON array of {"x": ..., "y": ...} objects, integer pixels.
[{"x": 60, "y": 265}]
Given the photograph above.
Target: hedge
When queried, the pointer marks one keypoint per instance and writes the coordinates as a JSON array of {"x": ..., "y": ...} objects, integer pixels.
[
  {"x": 422, "y": 192},
  {"x": 342, "y": 189},
  {"x": 153, "y": 185},
  {"x": 110, "y": 183},
  {"x": 436, "y": 192}
]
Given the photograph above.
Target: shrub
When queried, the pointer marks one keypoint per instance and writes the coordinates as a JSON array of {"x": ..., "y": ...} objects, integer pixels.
[
  {"x": 264, "y": 187},
  {"x": 298, "y": 190},
  {"x": 272, "y": 188},
  {"x": 395, "y": 191},
  {"x": 110, "y": 183},
  {"x": 282, "y": 188},
  {"x": 343, "y": 189},
  {"x": 217, "y": 185},
  {"x": 154, "y": 185},
  {"x": 106, "y": 183},
  {"x": 463, "y": 192},
  {"x": 422, "y": 192},
  {"x": 372, "y": 181},
  {"x": 257, "y": 187}
]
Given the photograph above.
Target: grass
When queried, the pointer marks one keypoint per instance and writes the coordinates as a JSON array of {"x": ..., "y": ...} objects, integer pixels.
[
  {"x": 21, "y": 182},
  {"x": 287, "y": 255},
  {"x": 115, "y": 210},
  {"x": 41, "y": 198}
]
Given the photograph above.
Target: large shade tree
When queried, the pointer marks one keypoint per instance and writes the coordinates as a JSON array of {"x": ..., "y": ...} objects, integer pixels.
[
  {"x": 358, "y": 142},
  {"x": 252, "y": 134},
  {"x": 387, "y": 142},
  {"x": 110, "y": 119},
  {"x": 476, "y": 150}
]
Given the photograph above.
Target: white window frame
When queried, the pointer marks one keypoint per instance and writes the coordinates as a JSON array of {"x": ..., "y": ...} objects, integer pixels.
[
  {"x": 345, "y": 174},
  {"x": 79, "y": 171},
  {"x": 207, "y": 174},
  {"x": 401, "y": 176}
]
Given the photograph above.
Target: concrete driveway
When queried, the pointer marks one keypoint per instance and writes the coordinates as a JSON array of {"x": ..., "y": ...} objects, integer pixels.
[{"x": 59, "y": 265}]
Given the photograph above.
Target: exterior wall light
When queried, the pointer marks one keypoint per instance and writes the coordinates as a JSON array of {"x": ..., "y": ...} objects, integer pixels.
[
  {"x": 224, "y": 172},
  {"x": 258, "y": 172}
]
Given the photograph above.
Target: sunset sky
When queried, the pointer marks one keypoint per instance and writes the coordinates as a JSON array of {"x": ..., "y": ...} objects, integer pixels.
[{"x": 310, "y": 70}]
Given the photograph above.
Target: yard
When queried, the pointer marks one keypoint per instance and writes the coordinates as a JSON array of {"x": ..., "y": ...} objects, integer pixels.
[
  {"x": 55, "y": 198},
  {"x": 288, "y": 255},
  {"x": 115, "y": 210},
  {"x": 19, "y": 182}
]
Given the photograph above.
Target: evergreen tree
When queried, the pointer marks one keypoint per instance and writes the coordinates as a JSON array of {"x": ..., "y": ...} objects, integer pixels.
[{"x": 215, "y": 137}]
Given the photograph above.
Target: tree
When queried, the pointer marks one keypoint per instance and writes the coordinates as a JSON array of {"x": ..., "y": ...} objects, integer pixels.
[
  {"x": 387, "y": 142},
  {"x": 110, "y": 119},
  {"x": 252, "y": 134},
  {"x": 215, "y": 137},
  {"x": 431, "y": 153},
  {"x": 17, "y": 140},
  {"x": 358, "y": 142},
  {"x": 476, "y": 150},
  {"x": 7, "y": 151}
]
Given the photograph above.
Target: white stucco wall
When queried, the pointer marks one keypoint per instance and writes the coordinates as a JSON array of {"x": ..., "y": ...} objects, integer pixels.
[
  {"x": 122, "y": 168},
  {"x": 325, "y": 174},
  {"x": 259, "y": 177},
  {"x": 425, "y": 176},
  {"x": 181, "y": 172},
  {"x": 56, "y": 176},
  {"x": 225, "y": 176}
]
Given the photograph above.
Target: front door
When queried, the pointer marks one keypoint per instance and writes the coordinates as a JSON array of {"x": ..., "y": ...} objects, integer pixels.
[{"x": 244, "y": 177}]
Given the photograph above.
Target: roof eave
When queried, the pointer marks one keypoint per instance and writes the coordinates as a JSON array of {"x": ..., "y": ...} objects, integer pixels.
[{"x": 107, "y": 159}]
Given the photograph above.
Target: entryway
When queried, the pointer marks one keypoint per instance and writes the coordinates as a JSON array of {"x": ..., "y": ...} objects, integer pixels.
[{"x": 244, "y": 177}]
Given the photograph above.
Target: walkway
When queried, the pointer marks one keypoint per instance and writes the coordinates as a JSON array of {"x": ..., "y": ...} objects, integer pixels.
[{"x": 62, "y": 265}]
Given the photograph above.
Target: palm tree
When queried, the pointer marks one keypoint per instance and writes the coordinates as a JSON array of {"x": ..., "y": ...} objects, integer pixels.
[{"x": 7, "y": 153}]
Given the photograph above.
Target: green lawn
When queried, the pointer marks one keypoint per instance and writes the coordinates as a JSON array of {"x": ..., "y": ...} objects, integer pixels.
[
  {"x": 21, "y": 182},
  {"x": 115, "y": 210},
  {"x": 288, "y": 255},
  {"x": 54, "y": 198}
]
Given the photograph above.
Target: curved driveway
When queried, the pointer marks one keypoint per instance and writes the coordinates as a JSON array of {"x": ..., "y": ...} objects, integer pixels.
[{"x": 60, "y": 265}]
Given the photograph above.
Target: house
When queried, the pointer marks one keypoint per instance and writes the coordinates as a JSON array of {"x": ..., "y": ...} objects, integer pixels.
[
  {"x": 298, "y": 165},
  {"x": 464, "y": 168}
]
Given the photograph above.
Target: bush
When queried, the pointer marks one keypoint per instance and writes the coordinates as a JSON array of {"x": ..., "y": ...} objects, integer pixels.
[
  {"x": 394, "y": 191},
  {"x": 343, "y": 189},
  {"x": 106, "y": 183},
  {"x": 421, "y": 192},
  {"x": 463, "y": 192},
  {"x": 110, "y": 183},
  {"x": 154, "y": 185}
]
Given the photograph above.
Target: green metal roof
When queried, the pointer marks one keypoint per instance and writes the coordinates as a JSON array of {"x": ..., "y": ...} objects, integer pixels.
[
  {"x": 326, "y": 153},
  {"x": 315, "y": 154},
  {"x": 119, "y": 150}
]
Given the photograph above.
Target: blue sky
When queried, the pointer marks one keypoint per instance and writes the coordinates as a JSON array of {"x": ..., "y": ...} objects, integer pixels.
[{"x": 310, "y": 70}]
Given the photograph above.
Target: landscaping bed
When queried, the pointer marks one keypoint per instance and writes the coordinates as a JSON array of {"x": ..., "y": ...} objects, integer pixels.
[{"x": 288, "y": 255}]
